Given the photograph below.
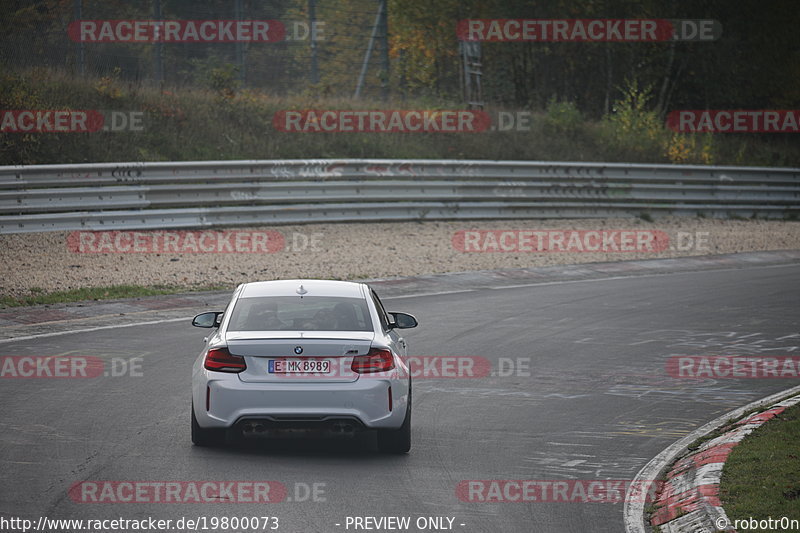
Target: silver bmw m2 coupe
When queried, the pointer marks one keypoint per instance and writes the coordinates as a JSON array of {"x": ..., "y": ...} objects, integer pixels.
[{"x": 303, "y": 354}]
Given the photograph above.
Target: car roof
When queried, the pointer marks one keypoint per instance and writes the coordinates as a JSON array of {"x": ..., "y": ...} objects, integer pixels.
[{"x": 313, "y": 287}]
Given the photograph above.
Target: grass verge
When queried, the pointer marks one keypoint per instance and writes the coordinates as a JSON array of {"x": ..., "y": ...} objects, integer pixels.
[
  {"x": 761, "y": 478},
  {"x": 41, "y": 297}
]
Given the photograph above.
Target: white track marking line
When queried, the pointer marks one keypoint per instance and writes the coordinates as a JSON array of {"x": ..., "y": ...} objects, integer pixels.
[
  {"x": 570, "y": 281},
  {"x": 418, "y": 295},
  {"x": 97, "y": 328}
]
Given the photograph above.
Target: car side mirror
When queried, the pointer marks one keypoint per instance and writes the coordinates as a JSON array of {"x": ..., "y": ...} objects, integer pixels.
[
  {"x": 403, "y": 321},
  {"x": 207, "y": 320}
]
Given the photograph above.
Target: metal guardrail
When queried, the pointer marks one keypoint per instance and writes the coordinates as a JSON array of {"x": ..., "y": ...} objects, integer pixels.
[{"x": 222, "y": 193}]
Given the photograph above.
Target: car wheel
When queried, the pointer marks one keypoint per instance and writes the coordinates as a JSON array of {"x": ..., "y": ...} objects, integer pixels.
[
  {"x": 205, "y": 437},
  {"x": 397, "y": 440}
]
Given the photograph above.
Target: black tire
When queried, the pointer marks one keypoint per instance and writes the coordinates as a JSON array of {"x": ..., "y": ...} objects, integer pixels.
[
  {"x": 397, "y": 440},
  {"x": 205, "y": 437}
]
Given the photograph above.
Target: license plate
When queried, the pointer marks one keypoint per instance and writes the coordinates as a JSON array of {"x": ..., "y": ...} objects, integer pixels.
[{"x": 299, "y": 366}]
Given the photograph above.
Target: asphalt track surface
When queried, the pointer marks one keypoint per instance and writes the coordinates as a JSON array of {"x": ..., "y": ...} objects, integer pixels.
[{"x": 598, "y": 404}]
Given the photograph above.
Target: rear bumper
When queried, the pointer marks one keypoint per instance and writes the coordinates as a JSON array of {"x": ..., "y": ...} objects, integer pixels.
[
  {"x": 365, "y": 402},
  {"x": 273, "y": 426}
]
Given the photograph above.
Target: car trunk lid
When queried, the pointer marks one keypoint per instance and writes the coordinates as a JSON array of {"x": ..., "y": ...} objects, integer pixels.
[{"x": 281, "y": 356}]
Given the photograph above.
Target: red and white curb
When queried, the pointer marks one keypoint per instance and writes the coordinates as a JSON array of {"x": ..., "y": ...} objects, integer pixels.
[{"x": 688, "y": 500}]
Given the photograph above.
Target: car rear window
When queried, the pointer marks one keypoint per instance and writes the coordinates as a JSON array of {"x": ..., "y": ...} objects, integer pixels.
[{"x": 292, "y": 313}]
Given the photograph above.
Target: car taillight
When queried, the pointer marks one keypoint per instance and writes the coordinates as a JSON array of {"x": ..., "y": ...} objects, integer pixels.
[
  {"x": 221, "y": 360},
  {"x": 375, "y": 361}
]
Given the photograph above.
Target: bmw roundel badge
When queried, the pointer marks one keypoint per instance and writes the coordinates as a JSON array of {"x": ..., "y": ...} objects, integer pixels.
[{"x": 298, "y": 350}]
